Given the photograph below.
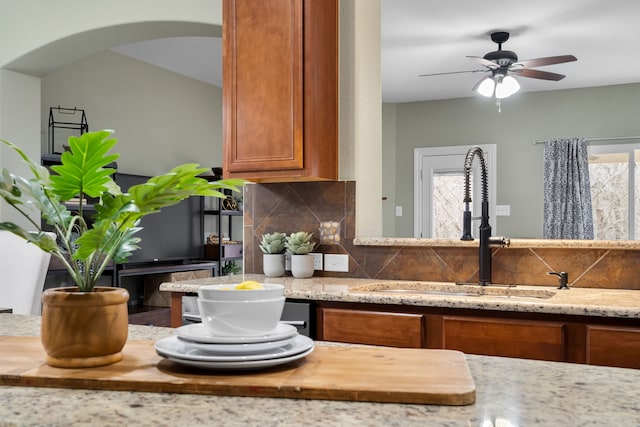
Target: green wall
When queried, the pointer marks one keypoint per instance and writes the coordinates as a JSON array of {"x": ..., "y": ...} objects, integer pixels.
[
  {"x": 526, "y": 117},
  {"x": 389, "y": 170},
  {"x": 160, "y": 118}
]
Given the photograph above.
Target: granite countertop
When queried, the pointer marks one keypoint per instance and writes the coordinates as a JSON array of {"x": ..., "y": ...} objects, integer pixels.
[
  {"x": 513, "y": 243},
  {"x": 509, "y": 392},
  {"x": 573, "y": 301}
]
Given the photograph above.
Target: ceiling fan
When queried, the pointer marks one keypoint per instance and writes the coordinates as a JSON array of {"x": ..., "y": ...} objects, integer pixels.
[{"x": 503, "y": 63}]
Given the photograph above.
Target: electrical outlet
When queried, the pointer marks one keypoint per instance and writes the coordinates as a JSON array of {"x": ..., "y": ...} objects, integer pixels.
[
  {"x": 336, "y": 262},
  {"x": 287, "y": 261},
  {"x": 317, "y": 260},
  {"x": 503, "y": 210}
]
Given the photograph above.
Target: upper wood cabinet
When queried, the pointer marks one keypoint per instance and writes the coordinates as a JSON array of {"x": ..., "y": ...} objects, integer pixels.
[{"x": 280, "y": 89}]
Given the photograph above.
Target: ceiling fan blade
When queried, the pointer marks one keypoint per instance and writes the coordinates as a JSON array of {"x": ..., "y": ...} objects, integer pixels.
[
  {"x": 485, "y": 62},
  {"x": 451, "y": 72},
  {"x": 537, "y": 74},
  {"x": 541, "y": 62}
]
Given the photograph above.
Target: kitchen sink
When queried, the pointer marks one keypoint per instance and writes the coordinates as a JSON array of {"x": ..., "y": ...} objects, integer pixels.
[
  {"x": 427, "y": 292},
  {"x": 453, "y": 290}
]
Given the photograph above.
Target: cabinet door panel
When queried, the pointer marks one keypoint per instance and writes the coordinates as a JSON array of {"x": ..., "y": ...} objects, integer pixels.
[
  {"x": 263, "y": 84},
  {"x": 370, "y": 327},
  {"x": 502, "y": 337},
  {"x": 613, "y": 346}
]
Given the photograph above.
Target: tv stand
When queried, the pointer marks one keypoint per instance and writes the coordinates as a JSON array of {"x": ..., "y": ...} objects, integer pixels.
[
  {"x": 143, "y": 269},
  {"x": 154, "y": 314}
]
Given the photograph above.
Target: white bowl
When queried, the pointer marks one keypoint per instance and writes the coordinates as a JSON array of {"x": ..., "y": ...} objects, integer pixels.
[
  {"x": 240, "y": 318},
  {"x": 227, "y": 292}
]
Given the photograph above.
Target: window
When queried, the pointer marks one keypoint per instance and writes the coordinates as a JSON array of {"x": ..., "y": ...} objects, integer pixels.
[
  {"x": 439, "y": 190},
  {"x": 446, "y": 204},
  {"x": 614, "y": 173}
]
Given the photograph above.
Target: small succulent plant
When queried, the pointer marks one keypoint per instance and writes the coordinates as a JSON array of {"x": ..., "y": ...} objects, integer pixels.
[
  {"x": 300, "y": 243},
  {"x": 273, "y": 243}
]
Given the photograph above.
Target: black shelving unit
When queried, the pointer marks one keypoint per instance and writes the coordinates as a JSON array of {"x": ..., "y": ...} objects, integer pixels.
[{"x": 224, "y": 215}]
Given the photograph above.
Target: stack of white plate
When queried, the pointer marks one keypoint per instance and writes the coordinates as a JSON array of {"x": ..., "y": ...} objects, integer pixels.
[{"x": 194, "y": 346}]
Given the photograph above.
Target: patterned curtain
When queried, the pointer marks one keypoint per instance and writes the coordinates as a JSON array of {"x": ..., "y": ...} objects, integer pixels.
[{"x": 567, "y": 190}]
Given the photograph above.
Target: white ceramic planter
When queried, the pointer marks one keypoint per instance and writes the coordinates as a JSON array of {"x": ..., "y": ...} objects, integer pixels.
[
  {"x": 302, "y": 266},
  {"x": 273, "y": 265}
]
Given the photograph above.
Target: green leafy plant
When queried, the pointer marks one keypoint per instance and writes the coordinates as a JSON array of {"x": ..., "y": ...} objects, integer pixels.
[
  {"x": 273, "y": 243},
  {"x": 86, "y": 248},
  {"x": 230, "y": 268},
  {"x": 300, "y": 243}
]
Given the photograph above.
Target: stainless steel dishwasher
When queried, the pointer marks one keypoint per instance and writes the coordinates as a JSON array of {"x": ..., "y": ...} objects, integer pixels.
[{"x": 299, "y": 314}]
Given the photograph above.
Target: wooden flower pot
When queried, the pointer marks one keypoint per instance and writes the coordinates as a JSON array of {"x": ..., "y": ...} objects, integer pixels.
[{"x": 84, "y": 329}]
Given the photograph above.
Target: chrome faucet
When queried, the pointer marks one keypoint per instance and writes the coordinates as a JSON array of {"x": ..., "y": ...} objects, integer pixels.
[{"x": 486, "y": 241}]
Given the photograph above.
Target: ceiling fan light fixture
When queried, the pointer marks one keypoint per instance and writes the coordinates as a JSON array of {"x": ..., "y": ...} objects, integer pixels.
[
  {"x": 486, "y": 87},
  {"x": 507, "y": 87}
]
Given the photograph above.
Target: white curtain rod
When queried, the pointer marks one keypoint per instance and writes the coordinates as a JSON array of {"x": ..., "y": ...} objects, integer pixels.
[{"x": 611, "y": 138}]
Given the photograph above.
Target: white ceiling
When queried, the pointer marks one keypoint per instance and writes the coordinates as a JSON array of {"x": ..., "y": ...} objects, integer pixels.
[
  {"x": 197, "y": 57},
  {"x": 433, "y": 36}
]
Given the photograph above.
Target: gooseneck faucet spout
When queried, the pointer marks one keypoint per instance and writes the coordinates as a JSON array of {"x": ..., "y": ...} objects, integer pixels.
[{"x": 486, "y": 241}]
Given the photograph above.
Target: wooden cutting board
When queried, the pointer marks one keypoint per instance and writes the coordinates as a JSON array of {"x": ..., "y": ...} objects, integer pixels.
[{"x": 372, "y": 374}]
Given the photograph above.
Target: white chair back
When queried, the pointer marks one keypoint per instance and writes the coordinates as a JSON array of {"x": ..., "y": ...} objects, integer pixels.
[{"x": 23, "y": 269}]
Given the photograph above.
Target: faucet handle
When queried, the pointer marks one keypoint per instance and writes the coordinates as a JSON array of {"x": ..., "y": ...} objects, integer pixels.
[{"x": 563, "y": 278}]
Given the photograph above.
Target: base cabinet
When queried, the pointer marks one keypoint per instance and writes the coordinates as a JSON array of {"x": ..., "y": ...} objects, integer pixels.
[
  {"x": 602, "y": 340},
  {"x": 503, "y": 337},
  {"x": 562, "y": 338},
  {"x": 376, "y": 328}
]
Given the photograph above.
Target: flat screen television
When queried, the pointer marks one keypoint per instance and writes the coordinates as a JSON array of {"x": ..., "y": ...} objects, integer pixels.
[{"x": 172, "y": 235}]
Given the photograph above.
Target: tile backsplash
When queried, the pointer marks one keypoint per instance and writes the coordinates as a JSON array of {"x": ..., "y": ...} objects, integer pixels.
[{"x": 327, "y": 209}]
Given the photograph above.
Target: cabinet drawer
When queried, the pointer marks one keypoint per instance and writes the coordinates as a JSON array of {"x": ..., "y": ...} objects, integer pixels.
[
  {"x": 613, "y": 346},
  {"x": 503, "y": 337},
  {"x": 370, "y": 327}
]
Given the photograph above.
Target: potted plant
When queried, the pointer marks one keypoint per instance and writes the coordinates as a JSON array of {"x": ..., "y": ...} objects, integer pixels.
[
  {"x": 86, "y": 325},
  {"x": 272, "y": 247},
  {"x": 299, "y": 245},
  {"x": 230, "y": 268}
]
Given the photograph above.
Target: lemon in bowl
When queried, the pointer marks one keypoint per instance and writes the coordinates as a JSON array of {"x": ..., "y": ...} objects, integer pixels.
[{"x": 249, "y": 284}]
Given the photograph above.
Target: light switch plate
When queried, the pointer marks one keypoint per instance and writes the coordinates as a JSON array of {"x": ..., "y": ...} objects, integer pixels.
[{"x": 336, "y": 262}]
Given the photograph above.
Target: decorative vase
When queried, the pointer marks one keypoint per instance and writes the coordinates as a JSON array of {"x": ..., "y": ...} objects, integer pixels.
[
  {"x": 273, "y": 265},
  {"x": 84, "y": 329},
  {"x": 302, "y": 266}
]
